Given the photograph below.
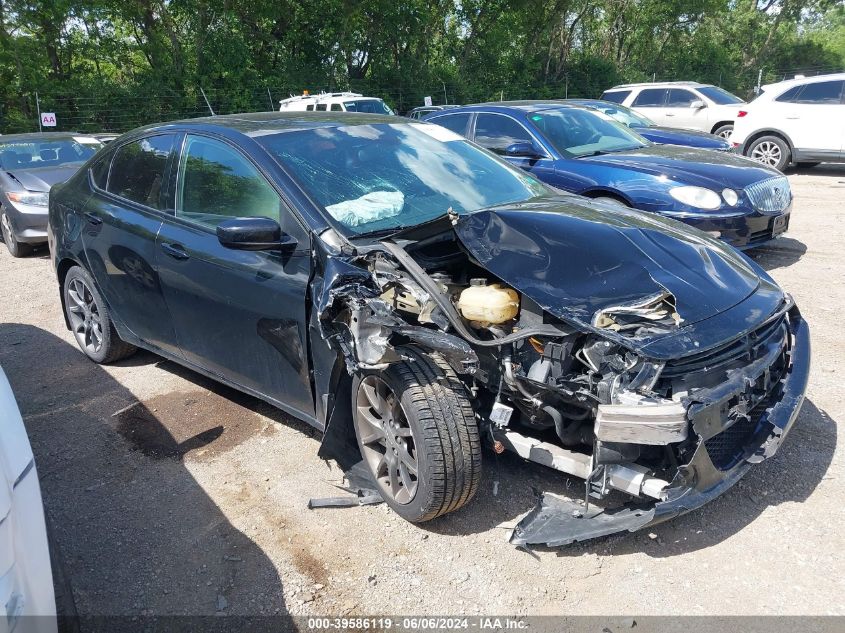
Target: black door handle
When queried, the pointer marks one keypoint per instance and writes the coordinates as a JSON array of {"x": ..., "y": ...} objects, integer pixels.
[
  {"x": 175, "y": 250},
  {"x": 93, "y": 219}
]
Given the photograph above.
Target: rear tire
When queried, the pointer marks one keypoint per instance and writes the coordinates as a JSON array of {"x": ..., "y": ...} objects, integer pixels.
[
  {"x": 724, "y": 131},
  {"x": 16, "y": 248},
  {"x": 770, "y": 150},
  {"x": 90, "y": 321},
  {"x": 416, "y": 416}
]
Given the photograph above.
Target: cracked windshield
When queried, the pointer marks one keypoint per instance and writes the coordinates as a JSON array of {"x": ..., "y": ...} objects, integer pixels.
[{"x": 383, "y": 177}]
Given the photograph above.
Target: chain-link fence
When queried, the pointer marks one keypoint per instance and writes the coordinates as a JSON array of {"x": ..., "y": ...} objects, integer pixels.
[{"x": 112, "y": 109}]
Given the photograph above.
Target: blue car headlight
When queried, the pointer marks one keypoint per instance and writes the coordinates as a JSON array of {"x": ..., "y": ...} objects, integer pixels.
[
  {"x": 697, "y": 197},
  {"x": 730, "y": 196}
]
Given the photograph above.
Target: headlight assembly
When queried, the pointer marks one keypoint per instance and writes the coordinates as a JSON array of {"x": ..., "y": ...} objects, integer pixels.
[
  {"x": 730, "y": 196},
  {"x": 32, "y": 198},
  {"x": 697, "y": 197}
]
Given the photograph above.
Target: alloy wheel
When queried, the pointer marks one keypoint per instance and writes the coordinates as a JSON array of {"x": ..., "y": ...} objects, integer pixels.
[
  {"x": 84, "y": 315},
  {"x": 6, "y": 227},
  {"x": 725, "y": 133},
  {"x": 767, "y": 153},
  {"x": 387, "y": 441}
]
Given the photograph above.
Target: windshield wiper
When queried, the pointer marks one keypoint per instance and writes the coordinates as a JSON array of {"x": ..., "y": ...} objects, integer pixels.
[
  {"x": 396, "y": 229},
  {"x": 600, "y": 152}
]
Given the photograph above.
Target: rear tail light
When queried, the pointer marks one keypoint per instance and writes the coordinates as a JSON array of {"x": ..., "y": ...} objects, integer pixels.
[{"x": 741, "y": 114}]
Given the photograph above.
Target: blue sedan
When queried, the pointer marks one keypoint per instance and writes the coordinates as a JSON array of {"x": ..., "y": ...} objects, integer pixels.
[
  {"x": 587, "y": 152},
  {"x": 655, "y": 133}
]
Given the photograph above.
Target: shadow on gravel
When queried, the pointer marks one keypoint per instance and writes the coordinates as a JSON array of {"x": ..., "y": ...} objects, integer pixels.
[
  {"x": 789, "y": 477},
  {"x": 138, "y": 534},
  {"x": 143, "y": 357},
  {"x": 835, "y": 170},
  {"x": 781, "y": 253}
]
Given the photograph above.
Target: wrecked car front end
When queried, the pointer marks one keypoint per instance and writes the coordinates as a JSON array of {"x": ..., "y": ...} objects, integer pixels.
[{"x": 614, "y": 364}]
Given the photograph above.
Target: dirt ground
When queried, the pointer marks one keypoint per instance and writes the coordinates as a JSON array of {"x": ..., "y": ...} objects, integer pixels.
[{"x": 169, "y": 494}]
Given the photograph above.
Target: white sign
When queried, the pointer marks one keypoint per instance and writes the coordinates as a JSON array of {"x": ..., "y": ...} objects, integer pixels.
[
  {"x": 427, "y": 101},
  {"x": 48, "y": 119}
]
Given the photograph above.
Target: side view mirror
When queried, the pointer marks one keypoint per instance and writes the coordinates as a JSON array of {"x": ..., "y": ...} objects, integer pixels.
[
  {"x": 523, "y": 149},
  {"x": 697, "y": 104},
  {"x": 254, "y": 234}
]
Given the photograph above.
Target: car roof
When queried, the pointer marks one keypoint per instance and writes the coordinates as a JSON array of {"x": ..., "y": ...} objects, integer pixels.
[
  {"x": 42, "y": 136},
  {"x": 258, "y": 124},
  {"x": 805, "y": 80},
  {"x": 658, "y": 84},
  {"x": 523, "y": 106}
]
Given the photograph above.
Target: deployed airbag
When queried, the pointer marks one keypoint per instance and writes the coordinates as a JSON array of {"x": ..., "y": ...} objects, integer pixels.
[{"x": 373, "y": 206}]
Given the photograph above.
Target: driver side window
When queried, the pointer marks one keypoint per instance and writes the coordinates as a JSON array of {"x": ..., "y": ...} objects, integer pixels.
[
  {"x": 216, "y": 182},
  {"x": 497, "y": 132}
]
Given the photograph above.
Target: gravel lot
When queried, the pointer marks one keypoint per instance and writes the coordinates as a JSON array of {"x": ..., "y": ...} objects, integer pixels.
[{"x": 169, "y": 494}]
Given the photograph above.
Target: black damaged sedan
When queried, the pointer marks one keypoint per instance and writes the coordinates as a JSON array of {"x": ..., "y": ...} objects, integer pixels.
[{"x": 417, "y": 299}]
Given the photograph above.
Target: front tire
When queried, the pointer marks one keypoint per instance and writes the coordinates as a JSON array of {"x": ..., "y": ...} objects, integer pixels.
[
  {"x": 16, "y": 249},
  {"x": 90, "y": 321},
  {"x": 418, "y": 436},
  {"x": 772, "y": 151}
]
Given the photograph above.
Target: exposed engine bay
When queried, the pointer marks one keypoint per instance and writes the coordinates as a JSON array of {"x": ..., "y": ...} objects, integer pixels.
[{"x": 578, "y": 397}]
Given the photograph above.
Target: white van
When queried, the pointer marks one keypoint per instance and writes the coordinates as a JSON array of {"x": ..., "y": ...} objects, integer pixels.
[{"x": 335, "y": 102}]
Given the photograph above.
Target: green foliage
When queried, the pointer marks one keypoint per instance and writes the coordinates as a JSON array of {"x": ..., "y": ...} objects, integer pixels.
[{"x": 108, "y": 65}]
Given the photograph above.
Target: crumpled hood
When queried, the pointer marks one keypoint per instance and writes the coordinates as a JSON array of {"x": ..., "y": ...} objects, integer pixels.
[
  {"x": 574, "y": 258},
  {"x": 42, "y": 178},
  {"x": 689, "y": 165},
  {"x": 675, "y": 136}
]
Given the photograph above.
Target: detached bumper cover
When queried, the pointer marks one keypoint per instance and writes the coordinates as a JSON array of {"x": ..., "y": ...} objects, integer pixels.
[{"x": 555, "y": 521}]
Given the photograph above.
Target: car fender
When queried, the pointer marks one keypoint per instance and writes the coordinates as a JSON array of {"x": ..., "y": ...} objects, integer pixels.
[
  {"x": 640, "y": 190},
  {"x": 764, "y": 131}
]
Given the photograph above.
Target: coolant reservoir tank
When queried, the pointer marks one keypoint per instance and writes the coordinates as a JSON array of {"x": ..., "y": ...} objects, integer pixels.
[{"x": 484, "y": 304}]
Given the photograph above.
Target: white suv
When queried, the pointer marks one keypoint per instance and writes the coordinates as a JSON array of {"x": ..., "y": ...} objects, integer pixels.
[
  {"x": 799, "y": 121},
  {"x": 683, "y": 104},
  {"x": 335, "y": 102}
]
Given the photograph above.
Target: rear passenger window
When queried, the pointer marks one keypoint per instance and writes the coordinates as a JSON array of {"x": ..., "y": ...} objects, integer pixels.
[
  {"x": 138, "y": 168},
  {"x": 829, "y": 92},
  {"x": 310, "y": 107},
  {"x": 679, "y": 98},
  {"x": 617, "y": 96},
  {"x": 650, "y": 98},
  {"x": 497, "y": 132},
  {"x": 216, "y": 182},
  {"x": 789, "y": 95},
  {"x": 455, "y": 122}
]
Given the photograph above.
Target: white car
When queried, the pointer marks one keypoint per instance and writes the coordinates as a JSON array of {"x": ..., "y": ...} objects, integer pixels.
[
  {"x": 795, "y": 122},
  {"x": 26, "y": 580},
  {"x": 683, "y": 104},
  {"x": 335, "y": 102}
]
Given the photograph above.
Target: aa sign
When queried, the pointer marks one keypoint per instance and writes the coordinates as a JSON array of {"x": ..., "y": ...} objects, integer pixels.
[{"x": 48, "y": 119}]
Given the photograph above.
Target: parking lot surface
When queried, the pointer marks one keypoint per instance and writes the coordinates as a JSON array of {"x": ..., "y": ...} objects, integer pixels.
[{"x": 169, "y": 494}]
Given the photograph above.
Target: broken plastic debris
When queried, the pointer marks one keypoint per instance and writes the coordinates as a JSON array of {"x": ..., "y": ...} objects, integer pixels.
[
  {"x": 363, "y": 490},
  {"x": 376, "y": 205},
  {"x": 555, "y": 521}
]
